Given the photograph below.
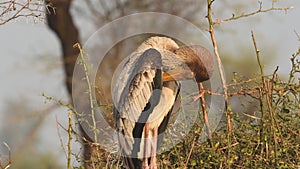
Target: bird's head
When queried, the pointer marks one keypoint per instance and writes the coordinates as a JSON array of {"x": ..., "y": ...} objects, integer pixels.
[
  {"x": 181, "y": 63},
  {"x": 158, "y": 43},
  {"x": 188, "y": 62},
  {"x": 198, "y": 59}
]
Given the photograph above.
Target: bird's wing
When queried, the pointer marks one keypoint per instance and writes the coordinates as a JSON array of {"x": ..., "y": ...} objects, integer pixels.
[
  {"x": 134, "y": 94},
  {"x": 138, "y": 80}
]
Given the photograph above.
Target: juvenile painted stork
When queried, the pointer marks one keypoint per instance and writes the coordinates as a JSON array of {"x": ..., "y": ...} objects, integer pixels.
[{"x": 145, "y": 91}]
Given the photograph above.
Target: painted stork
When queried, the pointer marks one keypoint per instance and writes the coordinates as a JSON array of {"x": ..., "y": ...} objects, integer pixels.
[{"x": 145, "y": 91}]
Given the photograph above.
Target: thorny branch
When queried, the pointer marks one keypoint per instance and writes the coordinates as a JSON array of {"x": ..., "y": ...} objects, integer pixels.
[
  {"x": 219, "y": 62},
  {"x": 212, "y": 23},
  {"x": 258, "y": 11},
  {"x": 205, "y": 112},
  {"x": 12, "y": 9},
  {"x": 268, "y": 94},
  {"x": 9, "y": 162},
  {"x": 249, "y": 92}
]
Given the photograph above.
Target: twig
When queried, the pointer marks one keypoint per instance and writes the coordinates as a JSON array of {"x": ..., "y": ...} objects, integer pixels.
[
  {"x": 59, "y": 102},
  {"x": 295, "y": 66},
  {"x": 229, "y": 146},
  {"x": 205, "y": 113},
  {"x": 70, "y": 138},
  {"x": 222, "y": 74},
  {"x": 8, "y": 164},
  {"x": 243, "y": 92},
  {"x": 189, "y": 155},
  {"x": 248, "y": 115},
  {"x": 267, "y": 89},
  {"x": 262, "y": 124},
  {"x": 260, "y": 10},
  {"x": 12, "y": 9},
  {"x": 258, "y": 56},
  {"x": 249, "y": 92},
  {"x": 77, "y": 134},
  {"x": 262, "y": 138},
  {"x": 272, "y": 117},
  {"x": 60, "y": 138},
  {"x": 87, "y": 79},
  {"x": 297, "y": 34},
  {"x": 242, "y": 82}
]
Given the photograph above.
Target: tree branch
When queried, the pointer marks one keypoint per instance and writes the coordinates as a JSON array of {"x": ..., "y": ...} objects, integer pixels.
[
  {"x": 260, "y": 10},
  {"x": 8, "y": 164},
  {"x": 222, "y": 73},
  {"x": 10, "y": 10}
]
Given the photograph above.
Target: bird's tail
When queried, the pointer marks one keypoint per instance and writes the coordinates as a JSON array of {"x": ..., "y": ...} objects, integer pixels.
[{"x": 133, "y": 163}]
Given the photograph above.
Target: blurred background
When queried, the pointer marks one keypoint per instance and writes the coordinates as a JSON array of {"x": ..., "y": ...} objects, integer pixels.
[{"x": 32, "y": 63}]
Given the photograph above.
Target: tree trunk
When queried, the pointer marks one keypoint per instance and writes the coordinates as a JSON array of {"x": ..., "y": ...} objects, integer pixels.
[{"x": 60, "y": 21}]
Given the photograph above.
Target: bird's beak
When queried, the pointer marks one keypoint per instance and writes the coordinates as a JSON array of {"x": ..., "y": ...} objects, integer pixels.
[
  {"x": 175, "y": 68},
  {"x": 180, "y": 73},
  {"x": 188, "y": 62}
]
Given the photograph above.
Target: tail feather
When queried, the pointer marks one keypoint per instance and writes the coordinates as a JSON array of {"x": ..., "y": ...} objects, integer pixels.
[{"x": 133, "y": 163}]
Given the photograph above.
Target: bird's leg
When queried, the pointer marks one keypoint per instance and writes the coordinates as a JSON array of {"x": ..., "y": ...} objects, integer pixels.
[
  {"x": 145, "y": 159},
  {"x": 154, "y": 148}
]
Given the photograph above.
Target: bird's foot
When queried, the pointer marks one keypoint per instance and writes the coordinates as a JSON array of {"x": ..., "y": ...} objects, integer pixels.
[
  {"x": 146, "y": 167},
  {"x": 153, "y": 164},
  {"x": 145, "y": 163}
]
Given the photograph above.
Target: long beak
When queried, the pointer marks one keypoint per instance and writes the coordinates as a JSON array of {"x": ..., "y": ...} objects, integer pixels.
[
  {"x": 187, "y": 62},
  {"x": 174, "y": 68},
  {"x": 178, "y": 74}
]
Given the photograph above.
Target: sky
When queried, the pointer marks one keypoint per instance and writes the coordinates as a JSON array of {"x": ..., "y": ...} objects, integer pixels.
[{"x": 31, "y": 65}]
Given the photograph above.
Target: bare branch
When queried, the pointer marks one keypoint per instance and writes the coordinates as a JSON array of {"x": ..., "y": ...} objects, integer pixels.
[
  {"x": 229, "y": 146},
  {"x": 9, "y": 162},
  {"x": 216, "y": 51},
  {"x": 12, "y": 9},
  {"x": 205, "y": 113},
  {"x": 70, "y": 138},
  {"x": 60, "y": 137},
  {"x": 297, "y": 34},
  {"x": 189, "y": 155},
  {"x": 258, "y": 56},
  {"x": 258, "y": 11}
]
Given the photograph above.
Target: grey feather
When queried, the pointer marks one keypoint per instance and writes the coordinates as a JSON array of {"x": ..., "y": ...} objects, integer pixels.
[{"x": 135, "y": 94}]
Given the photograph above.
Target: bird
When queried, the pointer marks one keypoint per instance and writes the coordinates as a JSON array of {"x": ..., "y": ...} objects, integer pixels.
[{"x": 146, "y": 88}]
